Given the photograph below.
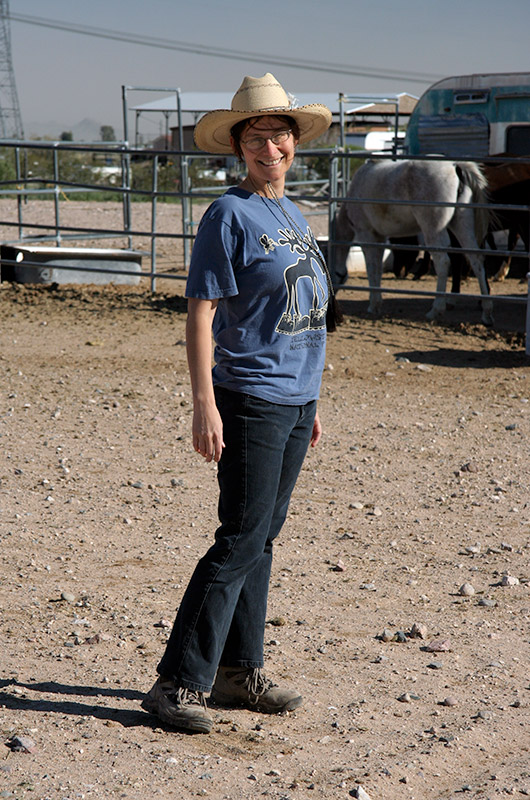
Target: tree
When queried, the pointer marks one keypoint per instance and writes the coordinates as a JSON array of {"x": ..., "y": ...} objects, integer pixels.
[
  {"x": 107, "y": 133},
  {"x": 67, "y": 136}
]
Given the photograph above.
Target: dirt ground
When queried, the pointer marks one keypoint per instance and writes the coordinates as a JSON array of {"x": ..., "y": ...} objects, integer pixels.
[{"x": 419, "y": 487}]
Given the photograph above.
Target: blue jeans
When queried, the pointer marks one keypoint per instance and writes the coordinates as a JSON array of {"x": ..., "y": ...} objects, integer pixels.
[{"x": 221, "y": 619}]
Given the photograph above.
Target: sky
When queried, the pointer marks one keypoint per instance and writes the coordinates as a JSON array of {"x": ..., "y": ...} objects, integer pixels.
[{"x": 64, "y": 77}]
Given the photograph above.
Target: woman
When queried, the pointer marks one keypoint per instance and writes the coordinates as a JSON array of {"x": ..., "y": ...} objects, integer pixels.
[{"x": 258, "y": 280}]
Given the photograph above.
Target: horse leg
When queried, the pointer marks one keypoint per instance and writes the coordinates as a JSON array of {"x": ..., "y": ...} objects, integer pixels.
[
  {"x": 423, "y": 265},
  {"x": 464, "y": 230},
  {"x": 441, "y": 265},
  {"x": 502, "y": 273},
  {"x": 373, "y": 258}
]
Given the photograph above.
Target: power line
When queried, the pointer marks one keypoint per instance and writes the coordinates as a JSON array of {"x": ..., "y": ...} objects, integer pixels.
[{"x": 221, "y": 52}]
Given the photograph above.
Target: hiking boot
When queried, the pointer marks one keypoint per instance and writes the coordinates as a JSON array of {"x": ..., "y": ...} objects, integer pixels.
[
  {"x": 177, "y": 706},
  {"x": 249, "y": 687}
]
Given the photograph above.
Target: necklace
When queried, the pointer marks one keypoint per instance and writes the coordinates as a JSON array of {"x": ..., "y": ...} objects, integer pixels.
[{"x": 303, "y": 238}]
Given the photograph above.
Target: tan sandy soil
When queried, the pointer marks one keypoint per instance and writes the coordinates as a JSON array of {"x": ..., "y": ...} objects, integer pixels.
[{"x": 419, "y": 486}]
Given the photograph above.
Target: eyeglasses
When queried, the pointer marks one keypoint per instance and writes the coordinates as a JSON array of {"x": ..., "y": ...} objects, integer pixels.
[{"x": 255, "y": 143}]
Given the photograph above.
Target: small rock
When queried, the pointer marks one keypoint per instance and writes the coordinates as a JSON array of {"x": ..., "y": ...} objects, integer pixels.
[
  {"x": 483, "y": 714},
  {"x": 22, "y": 744},
  {"x": 435, "y": 665},
  {"x": 401, "y": 637},
  {"x": 510, "y": 427},
  {"x": 387, "y": 635},
  {"x": 278, "y": 622},
  {"x": 449, "y": 701},
  {"x": 68, "y": 597},
  {"x": 360, "y": 793},
  {"x": 473, "y": 549},
  {"x": 358, "y": 506},
  {"x": 469, "y": 466},
  {"x": 438, "y": 646},
  {"x": 486, "y": 601},
  {"x": 369, "y": 587},
  {"x": 162, "y": 623},
  {"x": 408, "y": 697},
  {"x": 339, "y": 566},
  {"x": 466, "y": 590},
  {"x": 509, "y": 580},
  {"x": 418, "y": 631},
  {"x": 424, "y": 367}
]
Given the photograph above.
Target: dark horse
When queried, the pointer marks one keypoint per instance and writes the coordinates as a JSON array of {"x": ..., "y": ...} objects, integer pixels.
[{"x": 514, "y": 220}]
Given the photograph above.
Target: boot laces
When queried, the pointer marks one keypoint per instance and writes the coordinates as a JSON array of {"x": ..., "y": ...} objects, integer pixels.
[
  {"x": 189, "y": 697},
  {"x": 257, "y": 684}
]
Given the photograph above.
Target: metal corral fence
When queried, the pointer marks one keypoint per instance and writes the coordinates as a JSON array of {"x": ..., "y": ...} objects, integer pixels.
[{"x": 63, "y": 172}]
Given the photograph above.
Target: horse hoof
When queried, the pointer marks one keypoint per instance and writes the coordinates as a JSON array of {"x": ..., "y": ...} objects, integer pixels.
[{"x": 487, "y": 320}]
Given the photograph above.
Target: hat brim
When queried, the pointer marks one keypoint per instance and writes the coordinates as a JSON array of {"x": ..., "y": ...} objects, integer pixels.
[{"x": 212, "y": 132}]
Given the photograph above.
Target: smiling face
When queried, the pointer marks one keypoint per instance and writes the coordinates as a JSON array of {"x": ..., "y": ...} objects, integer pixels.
[{"x": 272, "y": 161}]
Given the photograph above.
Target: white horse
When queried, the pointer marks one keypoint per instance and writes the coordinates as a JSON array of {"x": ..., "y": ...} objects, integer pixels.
[{"x": 414, "y": 181}]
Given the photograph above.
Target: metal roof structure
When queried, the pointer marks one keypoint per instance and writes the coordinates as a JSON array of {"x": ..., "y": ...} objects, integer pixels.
[
  {"x": 406, "y": 105},
  {"x": 197, "y": 103}
]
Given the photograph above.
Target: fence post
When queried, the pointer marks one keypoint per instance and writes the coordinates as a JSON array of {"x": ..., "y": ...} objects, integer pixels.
[
  {"x": 528, "y": 318},
  {"x": 332, "y": 209},
  {"x": 56, "y": 190},
  {"x": 154, "y": 197}
]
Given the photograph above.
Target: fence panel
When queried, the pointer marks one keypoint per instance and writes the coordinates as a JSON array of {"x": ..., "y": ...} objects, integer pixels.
[{"x": 154, "y": 181}]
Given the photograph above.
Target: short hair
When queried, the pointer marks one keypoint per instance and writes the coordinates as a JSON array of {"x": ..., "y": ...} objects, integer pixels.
[{"x": 237, "y": 129}]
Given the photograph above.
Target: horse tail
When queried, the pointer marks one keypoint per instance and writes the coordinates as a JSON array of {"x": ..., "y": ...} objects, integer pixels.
[
  {"x": 471, "y": 175},
  {"x": 343, "y": 226}
]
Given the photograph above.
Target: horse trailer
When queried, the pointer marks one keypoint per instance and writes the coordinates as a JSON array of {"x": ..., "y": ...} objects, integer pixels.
[{"x": 472, "y": 116}]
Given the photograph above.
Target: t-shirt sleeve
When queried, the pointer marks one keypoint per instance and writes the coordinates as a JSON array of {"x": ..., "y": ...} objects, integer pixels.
[{"x": 211, "y": 274}]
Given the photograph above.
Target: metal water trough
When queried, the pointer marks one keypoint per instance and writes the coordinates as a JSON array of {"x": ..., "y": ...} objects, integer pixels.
[{"x": 69, "y": 265}]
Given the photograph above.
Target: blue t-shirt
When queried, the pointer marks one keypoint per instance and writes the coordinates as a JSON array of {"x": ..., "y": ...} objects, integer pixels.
[{"x": 270, "y": 323}]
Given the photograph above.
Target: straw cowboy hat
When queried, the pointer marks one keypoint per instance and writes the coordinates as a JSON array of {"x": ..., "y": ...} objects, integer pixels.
[{"x": 258, "y": 97}]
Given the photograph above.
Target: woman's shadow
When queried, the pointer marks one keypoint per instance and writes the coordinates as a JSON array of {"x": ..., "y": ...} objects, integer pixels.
[
  {"x": 474, "y": 359},
  {"x": 64, "y": 705}
]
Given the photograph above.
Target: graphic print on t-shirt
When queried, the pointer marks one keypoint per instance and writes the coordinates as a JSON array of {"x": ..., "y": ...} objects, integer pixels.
[{"x": 304, "y": 310}]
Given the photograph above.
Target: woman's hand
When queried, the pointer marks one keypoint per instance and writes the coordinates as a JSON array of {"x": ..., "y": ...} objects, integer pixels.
[
  {"x": 317, "y": 431},
  {"x": 207, "y": 432}
]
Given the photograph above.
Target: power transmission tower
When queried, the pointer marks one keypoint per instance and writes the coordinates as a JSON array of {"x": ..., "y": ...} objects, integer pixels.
[{"x": 10, "y": 117}]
